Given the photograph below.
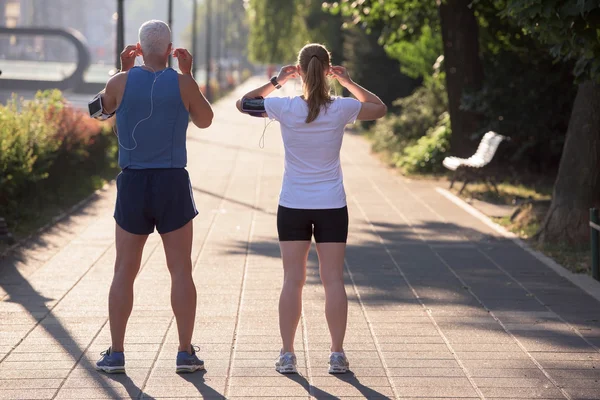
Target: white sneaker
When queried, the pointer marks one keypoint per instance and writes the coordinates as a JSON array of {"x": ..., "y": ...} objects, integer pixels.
[
  {"x": 286, "y": 363},
  {"x": 338, "y": 363}
]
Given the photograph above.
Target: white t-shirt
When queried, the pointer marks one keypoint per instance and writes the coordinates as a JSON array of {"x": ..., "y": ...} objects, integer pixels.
[{"x": 312, "y": 177}]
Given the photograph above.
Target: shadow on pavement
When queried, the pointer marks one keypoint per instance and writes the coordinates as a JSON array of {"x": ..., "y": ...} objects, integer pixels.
[
  {"x": 133, "y": 391},
  {"x": 218, "y": 196},
  {"x": 310, "y": 389},
  {"x": 205, "y": 391},
  {"x": 366, "y": 391},
  {"x": 35, "y": 305},
  {"x": 496, "y": 276}
]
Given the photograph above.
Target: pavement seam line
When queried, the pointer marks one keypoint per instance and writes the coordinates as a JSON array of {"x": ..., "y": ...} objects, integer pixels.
[
  {"x": 306, "y": 352},
  {"x": 56, "y": 304},
  {"x": 372, "y": 331},
  {"x": 508, "y": 235},
  {"x": 206, "y": 238},
  {"x": 416, "y": 295},
  {"x": 505, "y": 272},
  {"x": 106, "y": 320},
  {"x": 238, "y": 318},
  {"x": 561, "y": 319},
  {"x": 532, "y": 359},
  {"x": 403, "y": 275},
  {"x": 515, "y": 339}
]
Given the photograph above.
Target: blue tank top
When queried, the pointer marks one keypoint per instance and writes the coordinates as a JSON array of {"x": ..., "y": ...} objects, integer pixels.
[{"x": 160, "y": 138}]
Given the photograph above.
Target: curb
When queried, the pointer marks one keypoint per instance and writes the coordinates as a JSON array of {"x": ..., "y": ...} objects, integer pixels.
[
  {"x": 55, "y": 220},
  {"x": 584, "y": 282}
]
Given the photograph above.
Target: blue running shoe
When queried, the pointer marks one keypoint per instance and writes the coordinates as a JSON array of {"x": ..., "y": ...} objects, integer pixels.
[
  {"x": 187, "y": 362},
  {"x": 111, "y": 362}
]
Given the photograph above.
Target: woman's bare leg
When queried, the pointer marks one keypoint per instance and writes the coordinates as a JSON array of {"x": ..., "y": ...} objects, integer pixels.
[
  {"x": 331, "y": 268},
  {"x": 294, "y": 255}
]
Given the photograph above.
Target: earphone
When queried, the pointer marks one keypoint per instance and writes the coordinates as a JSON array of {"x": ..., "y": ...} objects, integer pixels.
[
  {"x": 144, "y": 119},
  {"x": 261, "y": 141}
]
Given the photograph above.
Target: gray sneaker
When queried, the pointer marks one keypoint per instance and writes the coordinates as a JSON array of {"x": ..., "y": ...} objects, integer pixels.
[
  {"x": 338, "y": 363},
  {"x": 286, "y": 363}
]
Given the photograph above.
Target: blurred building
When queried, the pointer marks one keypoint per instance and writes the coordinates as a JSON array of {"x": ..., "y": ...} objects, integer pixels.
[{"x": 93, "y": 19}]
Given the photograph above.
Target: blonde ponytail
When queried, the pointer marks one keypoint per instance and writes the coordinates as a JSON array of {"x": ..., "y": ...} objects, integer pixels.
[{"x": 314, "y": 61}]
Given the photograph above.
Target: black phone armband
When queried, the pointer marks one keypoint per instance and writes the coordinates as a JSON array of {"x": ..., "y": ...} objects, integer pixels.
[{"x": 254, "y": 107}]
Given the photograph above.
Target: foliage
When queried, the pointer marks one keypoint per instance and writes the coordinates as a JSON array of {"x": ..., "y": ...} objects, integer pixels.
[
  {"x": 403, "y": 20},
  {"x": 324, "y": 28},
  {"x": 41, "y": 142},
  {"x": 528, "y": 98},
  {"x": 277, "y": 31},
  {"x": 371, "y": 67},
  {"x": 229, "y": 30},
  {"x": 408, "y": 29},
  {"x": 417, "y": 114},
  {"x": 426, "y": 155},
  {"x": 417, "y": 58},
  {"x": 570, "y": 27}
]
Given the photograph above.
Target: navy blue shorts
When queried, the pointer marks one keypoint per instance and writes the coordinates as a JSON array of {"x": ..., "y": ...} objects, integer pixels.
[{"x": 154, "y": 197}]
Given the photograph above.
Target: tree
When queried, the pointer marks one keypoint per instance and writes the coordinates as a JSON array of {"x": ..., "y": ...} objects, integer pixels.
[
  {"x": 234, "y": 37},
  {"x": 407, "y": 21},
  {"x": 277, "y": 31},
  {"x": 370, "y": 65},
  {"x": 570, "y": 28},
  {"x": 464, "y": 71}
]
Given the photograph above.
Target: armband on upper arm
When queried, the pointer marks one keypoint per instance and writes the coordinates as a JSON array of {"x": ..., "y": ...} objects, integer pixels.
[
  {"x": 254, "y": 107},
  {"x": 96, "y": 109}
]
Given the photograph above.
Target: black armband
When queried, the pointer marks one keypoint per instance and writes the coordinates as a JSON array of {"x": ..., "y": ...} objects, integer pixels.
[{"x": 254, "y": 107}]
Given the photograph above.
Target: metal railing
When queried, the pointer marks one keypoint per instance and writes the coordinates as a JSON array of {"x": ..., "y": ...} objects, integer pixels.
[{"x": 594, "y": 235}]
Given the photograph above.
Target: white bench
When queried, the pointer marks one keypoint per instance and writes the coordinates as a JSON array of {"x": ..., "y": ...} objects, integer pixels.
[{"x": 470, "y": 168}]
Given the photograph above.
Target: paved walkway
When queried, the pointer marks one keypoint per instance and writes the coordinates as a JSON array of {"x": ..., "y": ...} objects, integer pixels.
[{"x": 441, "y": 306}]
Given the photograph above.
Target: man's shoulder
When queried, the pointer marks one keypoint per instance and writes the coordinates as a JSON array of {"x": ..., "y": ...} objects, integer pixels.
[{"x": 118, "y": 79}]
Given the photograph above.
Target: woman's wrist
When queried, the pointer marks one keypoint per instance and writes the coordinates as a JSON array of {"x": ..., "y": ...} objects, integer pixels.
[{"x": 347, "y": 84}]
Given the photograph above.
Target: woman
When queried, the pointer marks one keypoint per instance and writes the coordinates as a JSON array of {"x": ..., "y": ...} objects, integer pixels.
[
  {"x": 312, "y": 198},
  {"x": 153, "y": 104}
]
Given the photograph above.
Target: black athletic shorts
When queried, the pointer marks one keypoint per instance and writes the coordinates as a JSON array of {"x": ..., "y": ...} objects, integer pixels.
[
  {"x": 328, "y": 225},
  {"x": 154, "y": 197}
]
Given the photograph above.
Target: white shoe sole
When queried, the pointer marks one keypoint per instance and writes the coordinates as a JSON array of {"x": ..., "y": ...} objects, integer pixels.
[
  {"x": 338, "y": 369},
  {"x": 186, "y": 369},
  {"x": 286, "y": 369},
  {"x": 111, "y": 370}
]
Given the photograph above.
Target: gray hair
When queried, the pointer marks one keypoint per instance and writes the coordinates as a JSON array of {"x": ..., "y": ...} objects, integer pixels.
[{"x": 154, "y": 37}]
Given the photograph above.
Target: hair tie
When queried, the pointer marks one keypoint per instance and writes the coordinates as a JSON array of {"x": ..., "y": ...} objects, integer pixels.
[{"x": 314, "y": 55}]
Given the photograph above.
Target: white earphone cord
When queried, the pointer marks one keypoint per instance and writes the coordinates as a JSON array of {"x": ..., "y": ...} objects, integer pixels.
[
  {"x": 261, "y": 141},
  {"x": 144, "y": 119}
]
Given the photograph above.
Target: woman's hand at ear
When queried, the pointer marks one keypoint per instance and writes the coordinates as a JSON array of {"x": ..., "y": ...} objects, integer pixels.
[
  {"x": 287, "y": 72},
  {"x": 341, "y": 74}
]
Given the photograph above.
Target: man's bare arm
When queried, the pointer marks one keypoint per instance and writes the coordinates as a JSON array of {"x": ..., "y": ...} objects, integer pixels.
[
  {"x": 113, "y": 92},
  {"x": 195, "y": 102}
]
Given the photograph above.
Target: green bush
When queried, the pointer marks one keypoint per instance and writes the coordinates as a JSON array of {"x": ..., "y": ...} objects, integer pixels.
[
  {"x": 418, "y": 113},
  {"x": 426, "y": 155},
  {"x": 44, "y": 144}
]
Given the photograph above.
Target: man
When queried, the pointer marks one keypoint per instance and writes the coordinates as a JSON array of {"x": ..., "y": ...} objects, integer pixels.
[{"x": 153, "y": 104}]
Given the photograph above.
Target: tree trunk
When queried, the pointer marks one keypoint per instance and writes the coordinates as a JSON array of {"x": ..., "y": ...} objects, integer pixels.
[
  {"x": 460, "y": 34},
  {"x": 577, "y": 186}
]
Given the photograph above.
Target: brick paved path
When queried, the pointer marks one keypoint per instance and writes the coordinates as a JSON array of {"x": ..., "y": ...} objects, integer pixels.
[{"x": 440, "y": 305}]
